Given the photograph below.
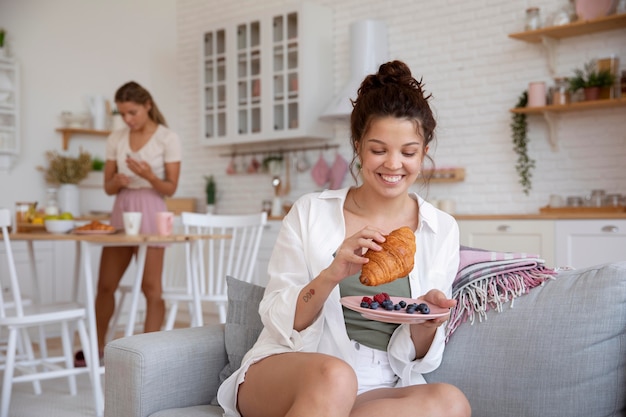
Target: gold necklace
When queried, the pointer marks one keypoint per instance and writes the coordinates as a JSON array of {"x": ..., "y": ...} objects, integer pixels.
[{"x": 354, "y": 199}]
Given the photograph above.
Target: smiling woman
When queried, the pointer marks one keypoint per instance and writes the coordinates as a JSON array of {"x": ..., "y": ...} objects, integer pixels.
[{"x": 392, "y": 127}]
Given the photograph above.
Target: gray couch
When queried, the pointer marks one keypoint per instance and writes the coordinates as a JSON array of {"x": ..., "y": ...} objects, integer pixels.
[{"x": 559, "y": 350}]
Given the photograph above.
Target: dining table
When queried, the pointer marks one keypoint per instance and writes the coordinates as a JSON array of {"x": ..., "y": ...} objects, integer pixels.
[{"x": 84, "y": 243}]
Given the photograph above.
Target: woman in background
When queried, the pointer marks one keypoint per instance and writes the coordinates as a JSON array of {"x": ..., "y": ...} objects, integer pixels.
[
  {"x": 317, "y": 359},
  {"x": 142, "y": 167}
]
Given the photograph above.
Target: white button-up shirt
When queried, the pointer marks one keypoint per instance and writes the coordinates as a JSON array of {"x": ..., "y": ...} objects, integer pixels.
[{"x": 310, "y": 235}]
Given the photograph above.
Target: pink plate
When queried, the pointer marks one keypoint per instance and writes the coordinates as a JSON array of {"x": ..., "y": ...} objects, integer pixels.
[
  {"x": 94, "y": 232},
  {"x": 393, "y": 316}
]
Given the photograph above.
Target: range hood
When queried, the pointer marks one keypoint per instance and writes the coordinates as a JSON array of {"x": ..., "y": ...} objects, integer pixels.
[{"x": 368, "y": 50}]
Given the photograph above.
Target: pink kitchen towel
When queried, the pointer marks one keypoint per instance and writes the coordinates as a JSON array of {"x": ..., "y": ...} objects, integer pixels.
[
  {"x": 338, "y": 172},
  {"x": 320, "y": 171}
]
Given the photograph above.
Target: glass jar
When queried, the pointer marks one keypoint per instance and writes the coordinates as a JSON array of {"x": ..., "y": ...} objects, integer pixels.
[
  {"x": 52, "y": 204},
  {"x": 560, "y": 93},
  {"x": 533, "y": 21},
  {"x": 596, "y": 199},
  {"x": 565, "y": 15}
]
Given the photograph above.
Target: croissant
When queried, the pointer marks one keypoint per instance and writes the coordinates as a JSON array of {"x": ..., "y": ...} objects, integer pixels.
[{"x": 394, "y": 261}]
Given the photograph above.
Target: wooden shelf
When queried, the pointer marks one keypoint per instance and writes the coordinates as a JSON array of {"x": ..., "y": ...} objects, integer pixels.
[
  {"x": 549, "y": 36},
  {"x": 551, "y": 113},
  {"x": 444, "y": 175},
  {"x": 581, "y": 105},
  {"x": 577, "y": 28},
  {"x": 68, "y": 132}
]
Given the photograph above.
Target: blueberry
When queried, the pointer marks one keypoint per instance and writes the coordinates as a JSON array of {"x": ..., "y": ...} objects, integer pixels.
[
  {"x": 402, "y": 303},
  {"x": 410, "y": 310},
  {"x": 388, "y": 306},
  {"x": 423, "y": 308},
  {"x": 374, "y": 305},
  {"x": 397, "y": 307},
  {"x": 365, "y": 304}
]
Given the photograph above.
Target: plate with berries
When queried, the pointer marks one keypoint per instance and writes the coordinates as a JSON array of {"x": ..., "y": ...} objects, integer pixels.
[{"x": 398, "y": 310}]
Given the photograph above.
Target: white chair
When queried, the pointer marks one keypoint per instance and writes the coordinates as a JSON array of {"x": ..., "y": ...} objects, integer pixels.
[
  {"x": 206, "y": 269},
  {"x": 16, "y": 319}
]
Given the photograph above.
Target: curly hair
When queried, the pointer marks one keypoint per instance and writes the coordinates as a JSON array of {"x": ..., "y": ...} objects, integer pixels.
[{"x": 391, "y": 92}]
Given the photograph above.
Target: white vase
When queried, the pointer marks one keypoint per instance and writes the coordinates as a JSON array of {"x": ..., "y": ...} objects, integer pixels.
[{"x": 69, "y": 199}]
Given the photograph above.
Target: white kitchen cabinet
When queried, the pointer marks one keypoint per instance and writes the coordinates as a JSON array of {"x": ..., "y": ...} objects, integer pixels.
[
  {"x": 267, "y": 78},
  {"x": 9, "y": 112},
  {"x": 270, "y": 234},
  {"x": 529, "y": 236},
  {"x": 584, "y": 243}
]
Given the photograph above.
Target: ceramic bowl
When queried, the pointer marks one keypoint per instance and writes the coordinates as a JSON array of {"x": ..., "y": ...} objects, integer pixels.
[{"x": 59, "y": 226}]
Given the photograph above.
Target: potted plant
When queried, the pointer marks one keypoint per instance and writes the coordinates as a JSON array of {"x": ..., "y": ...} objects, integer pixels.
[
  {"x": 67, "y": 172},
  {"x": 591, "y": 80},
  {"x": 211, "y": 193}
]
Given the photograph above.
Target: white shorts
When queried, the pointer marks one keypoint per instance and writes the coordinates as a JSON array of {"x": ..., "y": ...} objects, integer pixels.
[{"x": 372, "y": 368}]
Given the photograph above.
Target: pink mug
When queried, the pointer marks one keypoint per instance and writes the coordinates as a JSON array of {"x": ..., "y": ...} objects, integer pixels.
[{"x": 165, "y": 223}]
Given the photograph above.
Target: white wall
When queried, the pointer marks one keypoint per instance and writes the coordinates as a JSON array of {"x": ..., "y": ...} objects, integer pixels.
[
  {"x": 69, "y": 48},
  {"x": 476, "y": 73}
]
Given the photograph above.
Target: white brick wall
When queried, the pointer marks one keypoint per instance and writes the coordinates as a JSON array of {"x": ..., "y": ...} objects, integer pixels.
[{"x": 475, "y": 72}]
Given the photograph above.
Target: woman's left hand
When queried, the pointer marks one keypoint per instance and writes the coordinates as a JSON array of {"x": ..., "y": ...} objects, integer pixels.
[
  {"x": 141, "y": 168},
  {"x": 439, "y": 299}
]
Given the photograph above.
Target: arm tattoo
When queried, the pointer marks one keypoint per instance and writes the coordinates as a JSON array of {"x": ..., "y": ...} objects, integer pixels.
[{"x": 307, "y": 297}]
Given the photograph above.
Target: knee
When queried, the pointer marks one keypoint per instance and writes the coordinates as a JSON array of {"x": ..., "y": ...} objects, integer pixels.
[
  {"x": 152, "y": 292},
  {"x": 338, "y": 378},
  {"x": 456, "y": 403}
]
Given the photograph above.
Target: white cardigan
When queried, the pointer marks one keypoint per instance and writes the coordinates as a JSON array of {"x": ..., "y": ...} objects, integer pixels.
[{"x": 309, "y": 236}]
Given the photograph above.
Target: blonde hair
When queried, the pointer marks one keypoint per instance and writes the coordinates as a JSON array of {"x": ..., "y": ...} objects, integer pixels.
[{"x": 132, "y": 91}]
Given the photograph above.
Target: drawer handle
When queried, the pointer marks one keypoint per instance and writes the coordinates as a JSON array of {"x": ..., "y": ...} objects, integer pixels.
[
  {"x": 610, "y": 229},
  {"x": 504, "y": 228}
]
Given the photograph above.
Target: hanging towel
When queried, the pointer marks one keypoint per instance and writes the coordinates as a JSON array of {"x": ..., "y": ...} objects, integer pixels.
[
  {"x": 338, "y": 172},
  {"x": 320, "y": 171}
]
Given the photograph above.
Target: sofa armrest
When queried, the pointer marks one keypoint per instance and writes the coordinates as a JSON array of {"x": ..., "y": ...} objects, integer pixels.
[{"x": 161, "y": 370}]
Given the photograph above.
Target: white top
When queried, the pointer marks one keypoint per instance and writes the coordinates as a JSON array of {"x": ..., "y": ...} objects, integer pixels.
[
  {"x": 310, "y": 234},
  {"x": 163, "y": 147}
]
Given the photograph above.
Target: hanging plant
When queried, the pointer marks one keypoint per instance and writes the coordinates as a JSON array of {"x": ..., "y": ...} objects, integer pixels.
[{"x": 519, "y": 128}]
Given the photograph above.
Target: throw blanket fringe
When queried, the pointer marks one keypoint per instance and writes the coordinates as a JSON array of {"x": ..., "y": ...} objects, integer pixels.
[{"x": 488, "y": 280}]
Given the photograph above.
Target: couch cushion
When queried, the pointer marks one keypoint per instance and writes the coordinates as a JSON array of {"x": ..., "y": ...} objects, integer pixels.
[
  {"x": 558, "y": 351},
  {"x": 243, "y": 323},
  {"x": 196, "y": 411}
]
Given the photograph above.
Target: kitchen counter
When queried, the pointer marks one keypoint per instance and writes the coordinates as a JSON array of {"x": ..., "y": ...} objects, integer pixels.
[{"x": 543, "y": 216}]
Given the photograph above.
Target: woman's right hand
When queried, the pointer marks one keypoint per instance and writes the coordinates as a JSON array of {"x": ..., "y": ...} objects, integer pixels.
[
  {"x": 349, "y": 257},
  {"x": 120, "y": 181}
]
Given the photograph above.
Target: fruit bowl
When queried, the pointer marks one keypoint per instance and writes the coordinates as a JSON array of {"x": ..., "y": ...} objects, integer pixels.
[{"x": 59, "y": 226}]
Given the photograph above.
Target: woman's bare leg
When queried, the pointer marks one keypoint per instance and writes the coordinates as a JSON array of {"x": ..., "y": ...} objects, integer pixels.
[
  {"x": 432, "y": 400},
  {"x": 152, "y": 288},
  {"x": 298, "y": 385},
  {"x": 113, "y": 264}
]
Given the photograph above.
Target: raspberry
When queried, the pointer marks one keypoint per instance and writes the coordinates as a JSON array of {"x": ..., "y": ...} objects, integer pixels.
[
  {"x": 367, "y": 300},
  {"x": 379, "y": 298},
  {"x": 384, "y": 294}
]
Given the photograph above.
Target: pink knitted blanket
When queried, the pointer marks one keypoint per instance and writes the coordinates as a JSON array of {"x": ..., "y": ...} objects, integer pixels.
[{"x": 488, "y": 279}]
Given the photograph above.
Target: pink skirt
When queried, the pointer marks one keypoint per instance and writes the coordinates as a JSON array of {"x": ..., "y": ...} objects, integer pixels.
[{"x": 146, "y": 200}]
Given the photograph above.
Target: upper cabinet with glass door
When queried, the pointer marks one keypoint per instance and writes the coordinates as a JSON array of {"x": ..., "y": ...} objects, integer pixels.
[
  {"x": 9, "y": 112},
  {"x": 214, "y": 85},
  {"x": 271, "y": 78}
]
